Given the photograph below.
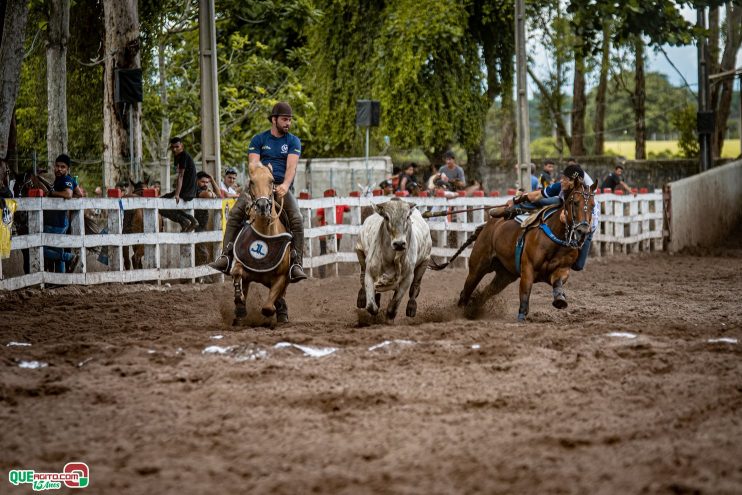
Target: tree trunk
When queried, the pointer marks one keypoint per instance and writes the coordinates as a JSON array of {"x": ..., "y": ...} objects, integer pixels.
[
  {"x": 640, "y": 130},
  {"x": 122, "y": 52},
  {"x": 578, "y": 108},
  {"x": 166, "y": 125},
  {"x": 11, "y": 55},
  {"x": 599, "y": 125},
  {"x": 58, "y": 32},
  {"x": 507, "y": 138},
  {"x": 722, "y": 93}
]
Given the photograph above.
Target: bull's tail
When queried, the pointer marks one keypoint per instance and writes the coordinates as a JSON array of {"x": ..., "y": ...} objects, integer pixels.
[{"x": 435, "y": 266}]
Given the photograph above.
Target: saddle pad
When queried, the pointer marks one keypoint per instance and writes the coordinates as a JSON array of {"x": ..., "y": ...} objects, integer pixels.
[
  {"x": 259, "y": 253},
  {"x": 538, "y": 216}
]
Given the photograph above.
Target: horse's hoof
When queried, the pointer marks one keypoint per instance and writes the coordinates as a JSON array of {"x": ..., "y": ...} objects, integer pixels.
[
  {"x": 282, "y": 318},
  {"x": 372, "y": 309},
  {"x": 560, "y": 303},
  {"x": 268, "y": 311},
  {"x": 521, "y": 318},
  {"x": 240, "y": 311},
  {"x": 411, "y": 310},
  {"x": 361, "y": 301}
]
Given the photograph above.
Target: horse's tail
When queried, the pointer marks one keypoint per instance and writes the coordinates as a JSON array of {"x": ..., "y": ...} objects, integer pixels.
[{"x": 435, "y": 266}]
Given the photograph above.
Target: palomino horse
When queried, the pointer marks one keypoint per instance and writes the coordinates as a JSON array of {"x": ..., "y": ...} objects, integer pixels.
[
  {"x": 262, "y": 249},
  {"x": 548, "y": 250}
]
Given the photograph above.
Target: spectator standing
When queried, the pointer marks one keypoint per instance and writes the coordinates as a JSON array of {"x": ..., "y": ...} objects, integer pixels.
[
  {"x": 547, "y": 174},
  {"x": 57, "y": 221},
  {"x": 205, "y": 189}
]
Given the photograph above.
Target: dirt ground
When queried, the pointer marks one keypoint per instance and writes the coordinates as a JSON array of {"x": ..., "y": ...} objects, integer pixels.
[{"x": 447, "y": 405}]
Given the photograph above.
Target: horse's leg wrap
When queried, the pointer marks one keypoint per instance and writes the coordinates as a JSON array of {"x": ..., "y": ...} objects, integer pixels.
[
  {"x": 239, "y": 303},
  {"x": 560, "y": 297}
]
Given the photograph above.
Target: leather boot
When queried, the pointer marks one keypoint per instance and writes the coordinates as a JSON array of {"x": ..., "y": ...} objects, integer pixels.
[
  {"x": 296, "y": 272},
  {"x": 224, "y": 262},
  {"x": 506, "y": 212}
]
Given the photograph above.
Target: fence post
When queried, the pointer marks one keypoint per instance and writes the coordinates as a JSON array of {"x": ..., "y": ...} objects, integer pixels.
[
  {"x": 115, "y": 222},
  {"x": 36, "y": 255},
  {"x": 150, "y": 225},
  {"x": 77, "y": 224},
  {"x": 633, "y": 246}
]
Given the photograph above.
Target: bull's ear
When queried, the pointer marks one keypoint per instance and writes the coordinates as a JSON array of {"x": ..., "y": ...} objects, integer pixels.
[
  {"x": 378, "y": 208},
  {"x": 412, "y": 208}
]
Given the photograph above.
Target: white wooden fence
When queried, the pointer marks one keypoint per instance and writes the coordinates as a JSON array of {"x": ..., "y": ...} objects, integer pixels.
[{"x": 628, "y": 224}]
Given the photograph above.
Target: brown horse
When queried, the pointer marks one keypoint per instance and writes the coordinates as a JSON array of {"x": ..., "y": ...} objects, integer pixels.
[
  {"x": 262, "y": 249},
  {"x": 549, "y": 249}
]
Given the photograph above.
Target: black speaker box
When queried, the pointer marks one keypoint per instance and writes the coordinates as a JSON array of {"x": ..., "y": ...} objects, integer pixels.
[
  {"x": 368, "y": 113},
  {"x": 705, "y": 122},
  {"x": 128, "y": 86}
]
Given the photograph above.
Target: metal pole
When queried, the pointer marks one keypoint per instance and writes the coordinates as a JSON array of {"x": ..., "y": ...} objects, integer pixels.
[
  {"x": 704, "y": 138},
  {"x": 132, "y": 173},
  {"x": 524, "y": 152},
  {"x": 368, "y": 172},
  {"x": 210, "y": 145}
]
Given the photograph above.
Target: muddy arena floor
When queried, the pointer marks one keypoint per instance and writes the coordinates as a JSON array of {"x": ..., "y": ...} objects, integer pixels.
[{"x": 636, "y": 387}]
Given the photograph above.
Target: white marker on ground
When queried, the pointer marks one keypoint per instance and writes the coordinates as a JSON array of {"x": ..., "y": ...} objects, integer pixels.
[
  {"x": 32, "y": 365},
  {"x": 308, "y": 351},
  {"x": 622, "y": 335}
]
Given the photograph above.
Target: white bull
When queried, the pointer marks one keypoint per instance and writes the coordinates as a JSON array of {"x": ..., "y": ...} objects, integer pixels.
[{"x": 393, "y": 249}]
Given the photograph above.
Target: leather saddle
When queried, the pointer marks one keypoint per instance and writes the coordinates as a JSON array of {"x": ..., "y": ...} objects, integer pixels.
[
  {"x": 260, "y": 253},
  {"x": 537, "y": 217}
]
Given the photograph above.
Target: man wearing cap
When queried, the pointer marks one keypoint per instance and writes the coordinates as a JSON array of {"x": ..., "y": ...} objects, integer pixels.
[
  {"x": 557, "y": 190},
  {"x": 280, "y": 150},
  {"x": 227, "y": 185}
]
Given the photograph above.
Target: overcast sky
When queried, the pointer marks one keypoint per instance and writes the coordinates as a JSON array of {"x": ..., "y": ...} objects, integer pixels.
[{"x": 684, "y": 58}]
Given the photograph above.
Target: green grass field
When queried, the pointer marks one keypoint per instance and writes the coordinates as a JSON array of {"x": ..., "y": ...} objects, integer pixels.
[{"x": 626, "y": 148}]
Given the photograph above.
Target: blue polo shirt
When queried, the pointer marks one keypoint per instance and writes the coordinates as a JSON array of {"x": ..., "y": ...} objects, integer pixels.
[
  {"x": 58, "y": 218},
  {"x": 275, "y": 150}
]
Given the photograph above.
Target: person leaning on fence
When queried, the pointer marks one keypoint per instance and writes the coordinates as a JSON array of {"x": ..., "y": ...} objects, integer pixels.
[
  {"x": 185, "y": 187},
  {"x": 228, "y": 185},
  {"x": 614, "y": 180},
  {"x": 57, "y": 221},
  {"x": 280, "y": 150},
  {"x": 533, "y": 200},
  {"x": 407, "y": 178},
  {"x": 451, "y": 172},
  {"x": 205, "y": 189}
]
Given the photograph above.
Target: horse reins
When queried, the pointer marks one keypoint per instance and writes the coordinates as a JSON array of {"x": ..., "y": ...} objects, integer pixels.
[{"x": 572, "y": 227}]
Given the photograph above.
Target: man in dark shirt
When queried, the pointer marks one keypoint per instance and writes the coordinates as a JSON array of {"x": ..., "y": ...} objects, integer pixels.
[
  {"x": 206, "y": 189},
  {"x": 615, "y": 180},
  {"x": 185, "y": 187},
  {"x": 547, "y": 175},
  {"x": 57, "y": 221}
]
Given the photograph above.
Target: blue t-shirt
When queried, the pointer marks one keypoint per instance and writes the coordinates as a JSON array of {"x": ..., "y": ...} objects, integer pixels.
[
  {"x": 534, "y": 183},
  {"x": 275, "y": 151},
  {"x": 58, "y": 218}
]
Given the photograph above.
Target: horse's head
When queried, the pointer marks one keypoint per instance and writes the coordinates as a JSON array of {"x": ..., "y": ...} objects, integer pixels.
[
  {"x": 396, "y": 214},
  {"x": 261, "y": 189},
  {"x": 578, "y": 210}
]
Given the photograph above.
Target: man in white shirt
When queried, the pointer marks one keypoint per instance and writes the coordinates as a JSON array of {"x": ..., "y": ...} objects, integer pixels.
[{"x": 228, "y": 184}]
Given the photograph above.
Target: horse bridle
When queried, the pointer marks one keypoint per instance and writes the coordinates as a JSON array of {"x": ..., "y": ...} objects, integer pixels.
[
  {"x": 572, "y": 226},
  {"x": 254, "y": 204}
]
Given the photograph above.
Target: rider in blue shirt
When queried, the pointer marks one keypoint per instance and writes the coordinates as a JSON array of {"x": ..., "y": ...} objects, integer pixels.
[
  {"x": 280, "y": 150},
  {"x": 548, "y": 195}
]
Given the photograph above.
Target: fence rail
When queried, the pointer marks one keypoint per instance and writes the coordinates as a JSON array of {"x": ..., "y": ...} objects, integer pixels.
[{"x": 628, "y": 224}]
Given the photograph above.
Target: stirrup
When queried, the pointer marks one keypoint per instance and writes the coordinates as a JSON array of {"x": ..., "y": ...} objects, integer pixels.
[
  {"x": 216, "y": 265},
  {"x": 298, "y": 278}
]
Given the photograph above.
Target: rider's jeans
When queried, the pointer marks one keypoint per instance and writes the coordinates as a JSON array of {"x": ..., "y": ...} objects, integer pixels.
[
  {"x": 579, "y": 265},
  {"x": 57, "y": 255}
]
